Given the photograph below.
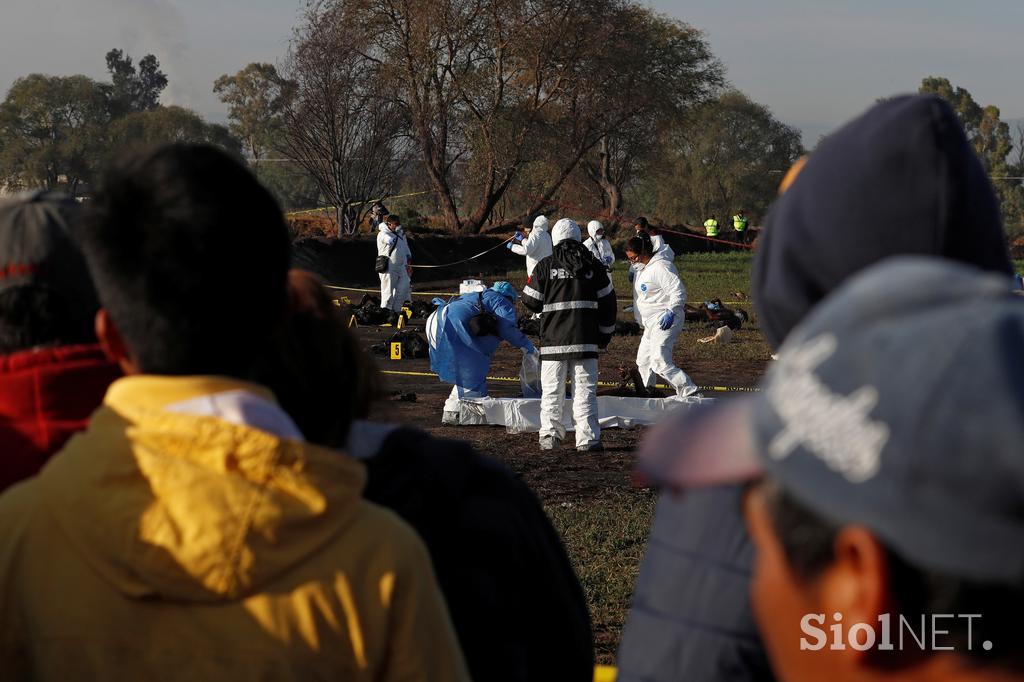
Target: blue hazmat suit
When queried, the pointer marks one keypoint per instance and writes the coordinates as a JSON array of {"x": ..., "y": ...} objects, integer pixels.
[{"x": 458, "y": 357}]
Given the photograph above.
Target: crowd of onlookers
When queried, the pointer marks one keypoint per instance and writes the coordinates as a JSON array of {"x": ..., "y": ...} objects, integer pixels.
[{"x": 192, "y": 488}]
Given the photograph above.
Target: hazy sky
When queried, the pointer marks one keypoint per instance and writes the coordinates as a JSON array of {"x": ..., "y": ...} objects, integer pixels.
[{"x": 814, "y": 62}]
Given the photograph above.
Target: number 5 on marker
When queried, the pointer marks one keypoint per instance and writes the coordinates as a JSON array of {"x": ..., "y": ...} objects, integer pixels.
[{"x": 396, "y": 350}]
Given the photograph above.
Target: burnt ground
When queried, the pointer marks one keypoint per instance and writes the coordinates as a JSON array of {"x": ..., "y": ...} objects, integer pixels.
[
  {"x": 555, "y": 477},
  {"x": 601, "y": 518}
]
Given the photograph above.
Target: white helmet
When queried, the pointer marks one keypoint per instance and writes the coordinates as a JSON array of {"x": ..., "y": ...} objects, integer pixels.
[
  {"x": 564, "y": 229},
  {"x": 540, "y": 223},
  {"x": 593, "y": 227}
]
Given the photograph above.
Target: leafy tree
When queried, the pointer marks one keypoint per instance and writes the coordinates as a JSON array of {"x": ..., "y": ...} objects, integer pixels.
[
  {"x": 134, "y": 89},
  {"x": 655, "y": 71},
  {"x": 170, "y": 124},
  {"x": 992, "y": 142},
  {"x": 52, "y": 132},
  {"x": 722, "y": 159},
  {"x": 257, "y": 97}
]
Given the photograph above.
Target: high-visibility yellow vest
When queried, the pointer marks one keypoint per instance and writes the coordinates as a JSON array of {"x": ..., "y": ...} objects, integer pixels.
[
  {"x": 711, "y": 227},
  {"x": 739, "y": 223}
]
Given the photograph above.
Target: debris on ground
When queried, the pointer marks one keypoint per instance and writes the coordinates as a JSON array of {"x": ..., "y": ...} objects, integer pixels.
[
  {"x": 722, "y": 335},
  {"x": 716, "y": 313},
  {"x": 413, "y": 345}
]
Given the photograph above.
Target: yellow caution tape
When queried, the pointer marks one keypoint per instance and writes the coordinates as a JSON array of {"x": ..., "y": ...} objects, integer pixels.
[{"x": 606, "y": 384}]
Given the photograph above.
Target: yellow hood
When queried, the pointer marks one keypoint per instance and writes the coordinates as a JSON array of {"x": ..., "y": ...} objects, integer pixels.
[{"x": 193, "y": 508}]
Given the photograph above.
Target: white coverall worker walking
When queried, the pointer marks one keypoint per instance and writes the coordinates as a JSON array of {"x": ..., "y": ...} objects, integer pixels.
[
  {"x": 598, "y": 245},
  {"x": 660, "y": 299},
  {"x": 536, "y": 246},
  {"x": 577, "y": 300},
  {"x": 396, "y": 283}
]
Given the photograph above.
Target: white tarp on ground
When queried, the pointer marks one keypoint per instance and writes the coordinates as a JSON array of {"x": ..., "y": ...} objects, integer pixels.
[{"x": 522, "y": 415}]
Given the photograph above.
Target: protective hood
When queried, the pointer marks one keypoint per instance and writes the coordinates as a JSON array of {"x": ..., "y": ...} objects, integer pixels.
[
  {"x": 540, "y": 223},
  {"x": 900, "y": 179},
  {"x": 193, "y": 508},
  {"x": 564, "y": 229},
  {"x": 592, "y": 227},
  {"x": 383, "y": 227}
]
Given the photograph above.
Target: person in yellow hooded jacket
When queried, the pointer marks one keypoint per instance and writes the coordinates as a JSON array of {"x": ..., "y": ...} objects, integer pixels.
[{"x": 190, "y": 532}]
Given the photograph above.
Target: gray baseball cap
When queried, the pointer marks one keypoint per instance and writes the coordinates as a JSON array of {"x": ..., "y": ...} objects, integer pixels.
[
  {"x": 898, "y": 404},
  {"x": 37, "y": 248}
]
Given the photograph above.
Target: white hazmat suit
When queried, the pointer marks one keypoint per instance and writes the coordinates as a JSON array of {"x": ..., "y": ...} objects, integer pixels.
[
  {"x": 536, "y": 247},
  {"x": 660, "y": 299},
  {"x": 395, "y": 284},
  {"x": 598, "y": 245}
]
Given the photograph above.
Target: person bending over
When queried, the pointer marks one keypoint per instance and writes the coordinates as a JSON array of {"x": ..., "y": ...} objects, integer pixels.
[{"x": 464, "y": 335}]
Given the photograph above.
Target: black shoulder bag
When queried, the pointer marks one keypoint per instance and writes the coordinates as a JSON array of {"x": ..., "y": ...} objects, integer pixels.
[
  {"x": 484, "y": 323},
  {"x": 381, "y": 265}
]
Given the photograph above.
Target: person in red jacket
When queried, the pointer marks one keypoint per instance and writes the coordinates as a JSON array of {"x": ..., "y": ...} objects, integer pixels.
[{"x": 52, "y": 371}]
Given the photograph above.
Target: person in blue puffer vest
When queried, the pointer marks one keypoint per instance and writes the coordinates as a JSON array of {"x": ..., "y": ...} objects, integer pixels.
[{"x": 458, "y": 354}]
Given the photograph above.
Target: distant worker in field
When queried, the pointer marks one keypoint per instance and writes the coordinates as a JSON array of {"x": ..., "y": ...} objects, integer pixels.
[
  {"x": 660, "y": 298},
  {"x": 711, "y": 227},
  {"x": 577, "y": 300},
  {"x": 536, "y": 245},
  {"x": 464, "y": 334},
  {"x": 739, "y": 226},
  {"x": 393, "y": 257},
  {"x": 598, "y": 244}
]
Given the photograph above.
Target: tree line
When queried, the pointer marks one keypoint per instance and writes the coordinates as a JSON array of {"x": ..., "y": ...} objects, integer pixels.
[
  {"x": 498, "y": 109},
  {"x": 58, "y": 131}
]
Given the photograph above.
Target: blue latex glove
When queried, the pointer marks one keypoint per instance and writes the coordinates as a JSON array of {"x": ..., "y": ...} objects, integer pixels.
[
  {"x": 509, "y": 246},
  {"x": 632, "y": 276},
  {"x": 607, "y": 260},
  {"x": 667, "y": 319},
  {"x": 437, "y": 301},
  {"x": 518, "y": 236}
]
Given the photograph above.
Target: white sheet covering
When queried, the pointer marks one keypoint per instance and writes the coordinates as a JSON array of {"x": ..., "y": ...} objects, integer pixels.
[{"x": 522, "y": 415}]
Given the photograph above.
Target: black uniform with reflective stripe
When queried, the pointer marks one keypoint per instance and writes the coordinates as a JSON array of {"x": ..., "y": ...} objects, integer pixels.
[{"x": 572, "y": 290}]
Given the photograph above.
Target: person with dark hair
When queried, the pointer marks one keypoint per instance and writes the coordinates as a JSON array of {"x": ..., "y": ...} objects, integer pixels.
[
  {"x": 53, "y": 374},
  {"x": 907, "y": 159},
  {"x": 190, "y": 526},
  {"x": 577, "y": 301},
  {"x": 378, "y": 212},
  {"x": 516, "y": 604},
  {"x": 887, "y": 531},
  {"x": 394, "y": 269},
  {"x": 660, "y": 300}
]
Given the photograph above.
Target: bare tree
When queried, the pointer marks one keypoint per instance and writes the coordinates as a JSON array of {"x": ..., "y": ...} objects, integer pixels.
[
  {"x": 481, "y": 81},
  {"x": 656, "y": 71},
  {"x": 341, "y": 126}
]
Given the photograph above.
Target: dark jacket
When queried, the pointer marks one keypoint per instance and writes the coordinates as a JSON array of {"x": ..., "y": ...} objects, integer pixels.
[
  {"x": 691, "y": 618},
  {"x": 514, "y": 599},
  {"x": 46, "y": 396},
  {"x": 900, "y": 179},
  {"x": 572, "y": 290}
]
